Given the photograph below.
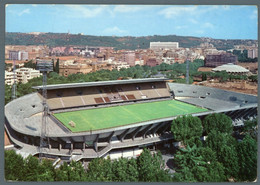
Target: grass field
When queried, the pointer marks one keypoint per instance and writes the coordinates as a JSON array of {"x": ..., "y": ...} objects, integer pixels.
[{"x": 100, "y": 118}]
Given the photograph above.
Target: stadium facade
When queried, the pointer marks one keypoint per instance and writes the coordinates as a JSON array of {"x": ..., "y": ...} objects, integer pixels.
[{"x": 23, "y": 116}]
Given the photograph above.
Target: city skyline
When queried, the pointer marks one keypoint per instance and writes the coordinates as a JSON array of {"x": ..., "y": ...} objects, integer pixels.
[{"x": 218, "y": 21}]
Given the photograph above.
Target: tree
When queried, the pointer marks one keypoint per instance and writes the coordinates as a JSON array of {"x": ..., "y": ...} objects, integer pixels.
[
  {"x": 62, "y": 173},
  {"x": 77, "y": 172},
  {"x": 125, "y": 170},
  {"x": 219, "y": 122},
  {"x": 46, "y": 171},
  {"x": 198, "y": 165},
  {"x": 204, "y": 76},
  {"x": 14, "y": 166},
  {"x": 247, "y": 155},
  {"x": 31, "y": 169},
  {"x": 253, "y": 78},
  {"x": 250, "y": 127},
  {"x": 30, "y": 64},
  {"x": 57, "y": 68},
  {"x": 185, "y": 128},
  {"x": 151, "y": 167},
  {"x": 225, "y": 147},
  {"x": 100, "y": 169}
]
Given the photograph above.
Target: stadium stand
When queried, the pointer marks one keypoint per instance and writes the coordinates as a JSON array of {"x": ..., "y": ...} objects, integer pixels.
[{"x": 23, "y": 116}]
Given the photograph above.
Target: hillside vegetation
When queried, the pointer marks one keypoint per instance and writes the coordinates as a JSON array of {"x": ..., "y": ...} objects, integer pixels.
[{"x": 127, "y": 42}]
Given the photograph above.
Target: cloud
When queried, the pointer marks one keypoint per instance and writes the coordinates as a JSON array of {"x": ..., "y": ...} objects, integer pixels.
[
  {"x": 114, "y": 31},
  {"x": 83, "y": 11},
  {"x": 34, "y": 5},
  {"x": 25, "y": 11},
  {"x": 194, "y": 10},
  {"x": 253, "y": 15},
  {"x": 200, "y": 31},
  {"x": 175, "y": 11},
  {"x": 181, "y": 27},
  {"x": 128, "y": 8},
  {"x": 193, "y": 21},
  {"x": 208, "y": 25}
]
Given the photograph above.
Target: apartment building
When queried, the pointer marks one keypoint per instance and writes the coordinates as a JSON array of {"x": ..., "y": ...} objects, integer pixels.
[
  {"x": 9, "y": 78},
  {"x": 18, "y": 55},
  {"x": 66, "y": 69},
  {"x": 21, "y": 75},
  {"x": 164, "y": 45},
  {"x": 252, "y": 53},
  {"x": 215, "y": 60},
  {"x": 25, "y": 74},
  {"x": 128, "y": 57}
]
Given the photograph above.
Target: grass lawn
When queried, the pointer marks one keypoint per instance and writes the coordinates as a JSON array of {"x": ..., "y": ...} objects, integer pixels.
[{"x": 101, "y": 118}]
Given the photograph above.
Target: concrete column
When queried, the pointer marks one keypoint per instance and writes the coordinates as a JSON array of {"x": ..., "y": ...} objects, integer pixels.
[
  {"x": 60, "y": 146},
  {"x": 95, "y": 143},
  {"x": 160, "y": 125},
  {"x": 144, "y": 131},
  {"x": 122, "y": 136},
  {"x": 134, "y": 133},
  {"x": 247, "y": 113},
  {"x": 71, "y": 147},
  {"x": 166, "y": 127},
  {"x": 110, "y": 136}
]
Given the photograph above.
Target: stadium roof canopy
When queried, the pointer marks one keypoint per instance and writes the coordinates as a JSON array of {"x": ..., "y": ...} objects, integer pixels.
[
  {"x": 231, "y": 68},
  {"x": 101, "y": 83}
]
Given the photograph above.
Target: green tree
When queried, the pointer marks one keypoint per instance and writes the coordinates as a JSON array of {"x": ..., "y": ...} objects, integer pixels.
[
  {"x": 219, "y": 122},
  {"x": 186, "y": 128},
  {"x": 46, "y": 171},
  {"x": 253, "y": 78},
  {"x": 57, "y": 68},
  {"x": 247, "y": 155},
  {"x": 151, "y": 167},
  {"x": 77, "y": 172},
  {"x": 250, "y": 127},
  {"x": 204, "y": 76},
  {"x": 31, "y": 169},
  {"x": 225, "y": 147},
  {"x": 198, "y": 165},
  {"x": 100, "y": 169},
  {"x": 14, "y": 166},
  {"x": 125, "y": 170},
  {"x": 62, "y": 173},
  {"x": 30, "y": 64}
]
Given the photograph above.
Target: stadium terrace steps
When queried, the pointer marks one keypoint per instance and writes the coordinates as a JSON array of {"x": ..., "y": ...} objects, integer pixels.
[{"x": 59, "y": 99}]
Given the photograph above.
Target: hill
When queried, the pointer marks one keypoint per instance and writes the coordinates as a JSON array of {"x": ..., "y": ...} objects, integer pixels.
[{"x": 127, "y": 42}]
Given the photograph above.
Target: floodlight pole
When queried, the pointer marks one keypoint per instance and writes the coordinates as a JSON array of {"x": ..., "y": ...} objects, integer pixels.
[
  {"x": 187, "y": 72},
  {"x": 43, "y": 142},
  {"x": 14, "y": 84},
  {"x": 187, "y": 67},
  {"x": 44, "y": 67}
]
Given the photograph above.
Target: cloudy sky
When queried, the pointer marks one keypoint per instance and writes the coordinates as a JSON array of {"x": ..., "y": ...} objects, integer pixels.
[{"x": 220, "y": 22}]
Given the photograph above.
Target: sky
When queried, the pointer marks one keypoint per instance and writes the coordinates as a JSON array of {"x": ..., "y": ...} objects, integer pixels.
[{"x": 215, "y": 21}]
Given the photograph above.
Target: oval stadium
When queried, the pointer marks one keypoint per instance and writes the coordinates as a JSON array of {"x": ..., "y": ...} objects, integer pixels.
[{"x": 97, "y": 119}]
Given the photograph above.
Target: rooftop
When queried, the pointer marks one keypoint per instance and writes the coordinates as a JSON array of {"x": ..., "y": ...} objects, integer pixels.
[
  {"x": 101, "y": 83},
  {"x": 231, "y": 68}
]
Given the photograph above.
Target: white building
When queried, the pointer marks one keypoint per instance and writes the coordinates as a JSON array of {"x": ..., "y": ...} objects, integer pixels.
[
  {"x": 139, "y": 62},
  {"x": 18, "y": 55},
  {"x": 9, "y": 78},
  {"x": 164, "y": 45},
  {"x": 252, "y": 53},
  {"x": 168, "y": 60},
  {"x": 25, "y": 74}
]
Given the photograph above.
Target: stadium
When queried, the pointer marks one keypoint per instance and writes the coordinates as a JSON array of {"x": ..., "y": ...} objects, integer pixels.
[{"x": 113, "y": 118}]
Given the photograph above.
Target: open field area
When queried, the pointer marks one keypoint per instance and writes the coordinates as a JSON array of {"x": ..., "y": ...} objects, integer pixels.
[
  {"x": 237, "y": 86},
  {"x": 101, "y": 118}
]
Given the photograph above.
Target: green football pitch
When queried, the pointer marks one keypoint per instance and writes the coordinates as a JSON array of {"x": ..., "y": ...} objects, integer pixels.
[{"x": 108, "y": 117}]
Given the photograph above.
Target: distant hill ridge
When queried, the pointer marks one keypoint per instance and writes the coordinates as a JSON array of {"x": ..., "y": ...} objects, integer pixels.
[{"x": 126, "y": 42}]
